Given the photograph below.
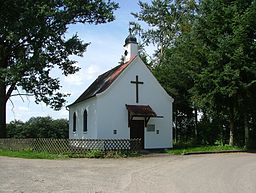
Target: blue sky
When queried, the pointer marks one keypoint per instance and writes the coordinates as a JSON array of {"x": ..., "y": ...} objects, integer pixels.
[{"x": 102, "y": 54}]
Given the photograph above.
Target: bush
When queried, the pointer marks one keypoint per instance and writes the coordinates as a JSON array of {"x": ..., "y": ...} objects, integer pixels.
[
  {"x": 105, "y": 154},
  {"x": 95, "y": 154}
]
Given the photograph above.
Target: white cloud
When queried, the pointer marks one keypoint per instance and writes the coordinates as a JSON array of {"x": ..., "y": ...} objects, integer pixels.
[
  {"x": 15, "y": 111},
  {"x": 83, "y": 77},
  {"x": 91, "y": 72}
]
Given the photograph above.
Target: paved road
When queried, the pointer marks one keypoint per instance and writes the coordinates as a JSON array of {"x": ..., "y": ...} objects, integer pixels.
[{"x": 218, "y": 173}]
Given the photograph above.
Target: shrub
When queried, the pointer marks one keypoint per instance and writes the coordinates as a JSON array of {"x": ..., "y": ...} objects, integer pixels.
[{"x": 95, "y": 154}]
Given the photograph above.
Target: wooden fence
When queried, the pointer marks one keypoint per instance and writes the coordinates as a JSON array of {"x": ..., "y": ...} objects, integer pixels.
[{"x": 61, "y": 146}]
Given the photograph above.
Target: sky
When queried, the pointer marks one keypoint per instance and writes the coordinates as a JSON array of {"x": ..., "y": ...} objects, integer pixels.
[{"x": 102, "y": 54}]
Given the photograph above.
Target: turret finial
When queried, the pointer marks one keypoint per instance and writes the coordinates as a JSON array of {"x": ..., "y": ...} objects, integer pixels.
[
  {"x": 131, "y": 38},
  {"x": 130, "y": 30}
]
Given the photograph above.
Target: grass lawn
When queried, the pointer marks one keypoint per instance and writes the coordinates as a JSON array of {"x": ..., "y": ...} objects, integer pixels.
[
  {"x": 178, "y": 150},
  {"x": 31, "y": 154},
  {"x": 45, "y": 155},
  {"x": 219, "y": 148}
]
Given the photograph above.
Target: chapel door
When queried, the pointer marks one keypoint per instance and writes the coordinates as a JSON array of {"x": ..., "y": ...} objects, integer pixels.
[{"x": 137, "y": 130}]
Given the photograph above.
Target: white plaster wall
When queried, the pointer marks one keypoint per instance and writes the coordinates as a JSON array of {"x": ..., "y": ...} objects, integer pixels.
[
  {"x": 132, "y": 51},
  {"x": 112, "y": 113},
  {"x": 90, "y": 106}
]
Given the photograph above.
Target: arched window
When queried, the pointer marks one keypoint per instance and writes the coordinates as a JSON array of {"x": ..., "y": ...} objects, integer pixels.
[
  {"x": 85, "y": 121},
  {"x": 74, "y": 122}
]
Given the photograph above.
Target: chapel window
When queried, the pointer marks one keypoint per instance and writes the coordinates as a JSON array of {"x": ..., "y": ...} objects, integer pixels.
[
  {"x": 74, "y": 122},
  {"x": 85, "y": 121}
]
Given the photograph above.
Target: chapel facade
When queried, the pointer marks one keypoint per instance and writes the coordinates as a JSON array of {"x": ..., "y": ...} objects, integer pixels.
[{"x": 125, "y": 102}]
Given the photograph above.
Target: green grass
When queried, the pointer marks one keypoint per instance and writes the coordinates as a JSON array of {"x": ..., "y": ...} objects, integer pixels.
[
  {"x": 177, "y": 150},
  {"x": 107, "y": 154},
  {"x": 31, "y": 154},
  {"x": 185, "y": 150}
]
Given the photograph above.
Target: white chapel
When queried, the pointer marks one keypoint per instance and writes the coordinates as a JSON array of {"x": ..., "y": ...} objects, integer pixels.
[{"x": 125, "y": 102}]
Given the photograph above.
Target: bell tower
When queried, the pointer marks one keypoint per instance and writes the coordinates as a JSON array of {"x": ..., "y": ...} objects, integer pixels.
[{"x": 130, "y": 46}]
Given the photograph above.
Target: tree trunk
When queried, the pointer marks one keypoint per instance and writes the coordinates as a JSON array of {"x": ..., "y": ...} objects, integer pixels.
[
  {"x": 2, "y": 110},
  {"x": 231, "y": 127},
  {"x": 175, "y": 128},
  {"x": 231, "y": 132},
  {"x": 246, "y": 131},
  {"x": 196, "y": 121}
]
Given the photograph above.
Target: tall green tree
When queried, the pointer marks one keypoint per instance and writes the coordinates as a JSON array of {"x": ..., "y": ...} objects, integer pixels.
[
  {"x": 166, "y": 20},
  {"x": 207, "y": 62},
  {"x": 225, "y": 34},
  {"x": 32, "y": 42},
  {"x": 175, "y": 73}
]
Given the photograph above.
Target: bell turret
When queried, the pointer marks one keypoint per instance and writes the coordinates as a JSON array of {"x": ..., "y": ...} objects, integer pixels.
[{"x": 130, "y": 46}]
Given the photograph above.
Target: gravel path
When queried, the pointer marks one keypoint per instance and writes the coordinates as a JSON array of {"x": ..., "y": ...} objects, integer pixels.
[{"x": 218, "y": 173}]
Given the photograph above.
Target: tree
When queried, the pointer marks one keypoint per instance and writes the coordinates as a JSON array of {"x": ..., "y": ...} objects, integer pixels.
[
  {"x": 167, "y": 19},
  {"x": 207, "y": 63},
  {"x": 32, "y": 42},
  {"x": 38, "y": 127},
  {"x": 225, "y": 34},
  {"x": 15, "y": 128},
  {"x": 175, "y": 74}
]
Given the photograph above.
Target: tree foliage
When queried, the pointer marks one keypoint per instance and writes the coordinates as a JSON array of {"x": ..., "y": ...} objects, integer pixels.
[
  {"x": 38, "y": 127},
  {"x": 166, "y": 19},
  {"x": 226, "y": 31},
  {"x": 33, "y": 42},
  {"x": 209, "y": 67}
]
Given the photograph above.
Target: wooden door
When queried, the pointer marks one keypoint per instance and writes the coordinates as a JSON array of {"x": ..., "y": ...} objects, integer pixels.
[{"x": 137, "y": 130}]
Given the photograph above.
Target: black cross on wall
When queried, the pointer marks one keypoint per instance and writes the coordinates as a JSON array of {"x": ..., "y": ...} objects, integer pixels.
[{"x": 137, "y": 82}]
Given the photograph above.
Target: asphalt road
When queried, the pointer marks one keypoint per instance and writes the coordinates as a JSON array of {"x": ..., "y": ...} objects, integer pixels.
[{"x": 215, "y": 173}]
